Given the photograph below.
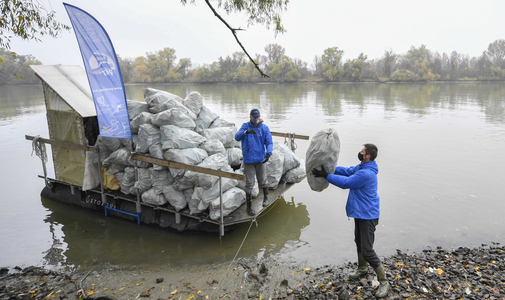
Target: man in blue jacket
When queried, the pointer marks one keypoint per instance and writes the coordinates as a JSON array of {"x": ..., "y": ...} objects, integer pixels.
[
  {"x": 363, "y": 206},
  {"x": 257, "y": 148}
]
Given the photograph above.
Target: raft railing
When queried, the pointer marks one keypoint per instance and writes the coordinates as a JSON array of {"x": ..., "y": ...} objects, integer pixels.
[{"x": 289, "y": 141}]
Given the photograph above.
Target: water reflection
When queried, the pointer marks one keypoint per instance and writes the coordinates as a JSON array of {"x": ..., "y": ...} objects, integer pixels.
[
  {"x": 20, "y": 100},
  {"x": 280, "y": 99},
  {"x": 82, "y": 238}
]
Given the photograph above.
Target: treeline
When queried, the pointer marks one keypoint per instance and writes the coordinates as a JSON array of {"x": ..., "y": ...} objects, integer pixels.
[
  {"x": 14, "y": 69},
  {"x": 417, "y": 64}
]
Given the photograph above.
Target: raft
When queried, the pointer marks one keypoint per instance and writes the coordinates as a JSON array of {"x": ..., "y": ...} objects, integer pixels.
[{"x": 73, "y": 127}]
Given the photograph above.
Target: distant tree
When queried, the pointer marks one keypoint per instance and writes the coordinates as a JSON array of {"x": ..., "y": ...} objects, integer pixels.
[
  {"x": 330, "y": 61},
  {"x": 140, "y": 67},
  {"x": 247, "y": 73},
  {"x": 202, "y": 74},
  {"x": 284, "y": 71},
  {"x": 27, "y": 20},
  {"x": 301, "y": 67},
  {"x": 274, "y": 53},
  {"x": 184, "y": 67},
  {"x": 228, "y": 67},
  {"x": 496, "y": 53},
  {"x": 127, "y": 69},
  {"x": 454, "y": 61},
  {"x": 353, "y": 68},
  {"x": 389, "y": 60},
  {"x": 15, "y": 69}
]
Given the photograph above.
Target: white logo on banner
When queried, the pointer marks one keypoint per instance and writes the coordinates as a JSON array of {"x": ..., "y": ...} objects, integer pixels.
[{"x": 102, "y": 64}]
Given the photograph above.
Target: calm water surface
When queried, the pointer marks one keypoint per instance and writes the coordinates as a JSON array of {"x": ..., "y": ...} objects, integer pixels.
[{"x": 440, "y": 178}]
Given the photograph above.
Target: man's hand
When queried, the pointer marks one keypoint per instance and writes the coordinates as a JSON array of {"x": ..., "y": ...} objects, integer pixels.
[
  {"x": 320, "y": 173},
  {"x": 250, "y": 131},
  {"x": 266, "y": 158}
]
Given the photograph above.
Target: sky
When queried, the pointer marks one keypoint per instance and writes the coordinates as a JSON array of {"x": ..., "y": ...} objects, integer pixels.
[{"x": 367, "y": 26}]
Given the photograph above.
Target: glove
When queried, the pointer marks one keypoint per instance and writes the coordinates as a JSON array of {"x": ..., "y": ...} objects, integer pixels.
[
  {"x": 250, "y": 131},
  {"x": 266, "y": 158},
  {"x": 320, "y": 173}
]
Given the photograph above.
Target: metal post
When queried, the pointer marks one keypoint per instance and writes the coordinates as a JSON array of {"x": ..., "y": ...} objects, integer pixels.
[
  {"x": 138, "y": 206},
  {"x": 102, "y": 192},
  {"x": 221, "y": 221}
]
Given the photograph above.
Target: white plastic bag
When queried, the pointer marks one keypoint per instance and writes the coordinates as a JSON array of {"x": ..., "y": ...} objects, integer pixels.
[
  {"x": 323, "y": 150},
  {"x": 135, "y": 108},
  {"x": 173, "y": 137},
  {"x": 159, "y": 101},
  {"x": 175, "y": 197},
  {"x": 224, "y": 134},
  {"x": 213, "y": 146},
  {"x": 296, "y": 175},
  {"x": 142, "y": 118},
  {"x": 204, "y": 119},
  {"x": 151, "y": 197},
  {"x": 148, "y": 135},
  {"x": 234, "y": 156},
  {"x": 291, "y": 161},
  {"x": 274, "y": 168},
  {"x": 156, "y": 152},
  {"x": 232, "y": 199},
  {"x": 194, "y": 102}
]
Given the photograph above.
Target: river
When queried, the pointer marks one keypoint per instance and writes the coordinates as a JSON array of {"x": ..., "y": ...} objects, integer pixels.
[{"x": 440, "y": 175}]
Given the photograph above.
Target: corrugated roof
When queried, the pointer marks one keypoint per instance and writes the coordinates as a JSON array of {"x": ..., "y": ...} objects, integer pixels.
[{"x": 71, "y": 83}]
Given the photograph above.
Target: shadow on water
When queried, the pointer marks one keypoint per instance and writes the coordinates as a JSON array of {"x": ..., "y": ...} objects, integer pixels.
[{"x": 87, "y": 239}]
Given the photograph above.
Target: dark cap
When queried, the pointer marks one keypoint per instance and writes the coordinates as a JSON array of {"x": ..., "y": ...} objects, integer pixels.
[{"x": 255, "y": 113}]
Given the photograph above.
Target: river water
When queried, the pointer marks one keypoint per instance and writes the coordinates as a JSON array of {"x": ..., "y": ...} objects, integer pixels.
[{"x": 440, "y": 163}]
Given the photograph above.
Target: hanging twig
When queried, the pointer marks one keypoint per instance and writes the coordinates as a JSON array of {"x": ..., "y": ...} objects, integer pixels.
[{"x": 233, "y": 31}]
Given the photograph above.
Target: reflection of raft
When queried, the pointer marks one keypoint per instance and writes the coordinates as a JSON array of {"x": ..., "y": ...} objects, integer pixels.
[{"x": 73, "y": 126}]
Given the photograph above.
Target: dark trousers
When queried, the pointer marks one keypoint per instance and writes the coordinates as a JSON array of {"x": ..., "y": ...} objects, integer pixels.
[{"x": 364, "y": 237}]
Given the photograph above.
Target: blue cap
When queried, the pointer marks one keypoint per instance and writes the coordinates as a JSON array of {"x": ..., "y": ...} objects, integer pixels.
[{"x": 255, "y": 113}]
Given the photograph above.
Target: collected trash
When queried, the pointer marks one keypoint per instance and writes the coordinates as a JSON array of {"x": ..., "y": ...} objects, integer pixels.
[
  {"x": 323, "y": 151},
  {"x": 166, "y": 126}
]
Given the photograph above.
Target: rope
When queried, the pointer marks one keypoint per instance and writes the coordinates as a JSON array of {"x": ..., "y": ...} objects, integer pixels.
[
  {"x": 289, "y": 140},
  {"x": 254, "y": 220},
  {"x": 239, "y": 248},
  {"x": 40, "y": 150}
]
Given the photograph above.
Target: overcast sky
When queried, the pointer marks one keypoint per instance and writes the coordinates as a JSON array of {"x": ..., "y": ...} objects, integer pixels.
[{"x": 369, "y": 26}]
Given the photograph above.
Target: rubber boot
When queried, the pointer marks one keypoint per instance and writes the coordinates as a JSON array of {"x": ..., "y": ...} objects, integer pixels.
[
  {"x": 250, "y": 210},
  {"x": 383, "y": 288},
  {"x": 362, "y": 268},
  {"x": 265, "y": 195}
]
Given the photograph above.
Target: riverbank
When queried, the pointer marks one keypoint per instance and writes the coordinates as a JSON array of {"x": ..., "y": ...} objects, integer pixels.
[{"x": 462, "y": 273}]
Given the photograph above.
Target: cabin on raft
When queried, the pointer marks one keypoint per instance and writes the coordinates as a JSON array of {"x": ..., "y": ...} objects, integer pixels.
[{"x": 73, "y": 132}]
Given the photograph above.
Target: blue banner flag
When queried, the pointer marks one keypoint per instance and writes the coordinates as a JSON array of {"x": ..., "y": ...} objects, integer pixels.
[{"x": 103, "y": 72}]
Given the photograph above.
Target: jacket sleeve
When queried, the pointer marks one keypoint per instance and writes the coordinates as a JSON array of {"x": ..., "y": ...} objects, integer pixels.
[
  {"x": 240, "y": 133},
  {"x": 268, "y": 141},
  {"x": 354, "y": 181},
  {"x": 345, "y": 171}
]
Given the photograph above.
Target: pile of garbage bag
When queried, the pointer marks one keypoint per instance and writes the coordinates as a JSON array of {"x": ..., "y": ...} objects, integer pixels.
[{"x": 166, "y": 126}]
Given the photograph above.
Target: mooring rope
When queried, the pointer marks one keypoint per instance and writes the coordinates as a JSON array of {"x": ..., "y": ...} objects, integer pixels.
[
  {"x": 254, "y": 220},
  {"x": 289, "y": 141},
  {"x": 40, "y": 150}
]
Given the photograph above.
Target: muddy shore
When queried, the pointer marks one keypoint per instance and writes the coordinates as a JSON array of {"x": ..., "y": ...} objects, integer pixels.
[{"x": 460, "y": 273}]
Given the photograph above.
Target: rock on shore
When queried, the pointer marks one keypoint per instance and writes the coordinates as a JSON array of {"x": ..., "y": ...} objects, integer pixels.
[{"x": 461, "y": 273}]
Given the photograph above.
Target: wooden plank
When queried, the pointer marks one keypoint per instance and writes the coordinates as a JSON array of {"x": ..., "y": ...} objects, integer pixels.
[
  {"x": 62, "y": 144},
  {"x": 289, "y": 135},
  {"x": 173, "y": 164}
]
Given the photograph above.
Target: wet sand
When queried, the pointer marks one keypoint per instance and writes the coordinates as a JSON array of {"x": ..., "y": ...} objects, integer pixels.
[{"x": 461, "y": 273}]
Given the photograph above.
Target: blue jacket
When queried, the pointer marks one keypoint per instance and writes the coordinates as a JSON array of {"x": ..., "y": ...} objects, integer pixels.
[
  {"x": 254, "y": 145},
  {"x": 361, "y": 180}
]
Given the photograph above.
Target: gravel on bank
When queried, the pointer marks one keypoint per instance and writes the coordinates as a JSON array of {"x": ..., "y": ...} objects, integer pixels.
[{"x": 460, "y": 273}]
